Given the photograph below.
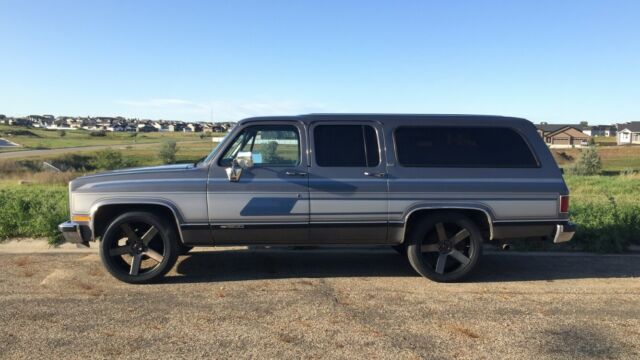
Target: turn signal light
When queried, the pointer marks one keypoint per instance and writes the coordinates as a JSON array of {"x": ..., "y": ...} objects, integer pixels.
[
  {"x": 564, "y": 204},
  {"x": 81, "y": 218}
]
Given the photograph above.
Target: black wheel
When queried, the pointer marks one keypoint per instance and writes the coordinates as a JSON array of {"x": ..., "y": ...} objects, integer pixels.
[
  {"x": 445, "y": 247},
  {"x": 184, "y": 249},
  {"x": 138, "y": 247}
]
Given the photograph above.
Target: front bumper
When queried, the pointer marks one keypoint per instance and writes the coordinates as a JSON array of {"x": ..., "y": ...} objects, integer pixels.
[
  {"x": 564, "y": 232},
  {"x": 75, "y": 233}
]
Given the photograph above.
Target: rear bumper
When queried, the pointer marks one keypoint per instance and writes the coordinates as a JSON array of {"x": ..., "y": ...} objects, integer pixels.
[
  {"x": 564, "y": 232},
  {"x": 75, "y": 233}
]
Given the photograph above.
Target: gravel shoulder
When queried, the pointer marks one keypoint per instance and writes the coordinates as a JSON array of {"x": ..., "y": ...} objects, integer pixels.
[{"x": 345, "y": 303}]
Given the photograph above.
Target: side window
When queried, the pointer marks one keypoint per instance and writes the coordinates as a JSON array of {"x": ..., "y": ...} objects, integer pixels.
[
  {"x": 270, "y": 145},
  {"x": 346, "y": 145},
  {"x": 449, "y": 146}
]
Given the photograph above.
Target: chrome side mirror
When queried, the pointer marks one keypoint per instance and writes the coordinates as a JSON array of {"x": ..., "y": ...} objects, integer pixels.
[
  {"x": 234, "y": 172},
  {"x": 242, "y": 161}
]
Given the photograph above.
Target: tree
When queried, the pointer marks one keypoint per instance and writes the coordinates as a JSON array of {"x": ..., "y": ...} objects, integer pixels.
[
  {"x": 589, "y": 162},
  {"x": 168, "y": 151}
]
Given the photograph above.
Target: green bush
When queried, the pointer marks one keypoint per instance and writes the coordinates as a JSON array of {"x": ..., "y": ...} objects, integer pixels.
[
  {"x": 589, "y": 163},
  {"x": 110, "y": 159},
  {"x": 98, "y": 133},
  {"x": 75, "y": 162},
  {"x": 33, "y": 211},
  {"x": 168, "y": 151},
  {"x": 606, "y": 227}
]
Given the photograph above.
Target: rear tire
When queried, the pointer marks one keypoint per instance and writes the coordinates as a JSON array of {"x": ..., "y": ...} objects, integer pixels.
[
  {"x": 139, "y": 247},
  {"x": 445, "y": 247}
]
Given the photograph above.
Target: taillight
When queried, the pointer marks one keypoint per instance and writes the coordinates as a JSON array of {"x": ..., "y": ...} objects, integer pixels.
[{"x": 564, "y": 204}]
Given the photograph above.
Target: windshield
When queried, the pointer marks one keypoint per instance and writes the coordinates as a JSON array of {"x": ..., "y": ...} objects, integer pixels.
[{"x": 215, "y": 149}]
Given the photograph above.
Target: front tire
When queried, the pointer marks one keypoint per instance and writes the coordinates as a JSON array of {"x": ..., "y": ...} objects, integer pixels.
[
  {"x": 138, "y": 247},
  {"x": 445, "y": 247}
]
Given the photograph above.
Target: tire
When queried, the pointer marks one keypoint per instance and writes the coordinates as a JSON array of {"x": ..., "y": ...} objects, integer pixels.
[
  {"x": 139, "y": 247},
  {"x": 445, "y": 247}
]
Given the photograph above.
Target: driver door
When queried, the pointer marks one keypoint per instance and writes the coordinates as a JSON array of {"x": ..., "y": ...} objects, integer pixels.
[{"x": 269, "y": 202}]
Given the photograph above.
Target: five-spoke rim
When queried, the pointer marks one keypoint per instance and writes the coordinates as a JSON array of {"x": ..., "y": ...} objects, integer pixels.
[
  {"x": 138, "y": 249},
  {"x": 437, "y": 247}
]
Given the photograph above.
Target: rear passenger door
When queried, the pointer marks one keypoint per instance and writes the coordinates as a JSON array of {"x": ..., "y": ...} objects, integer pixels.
[{"x": 347, "y": 183}]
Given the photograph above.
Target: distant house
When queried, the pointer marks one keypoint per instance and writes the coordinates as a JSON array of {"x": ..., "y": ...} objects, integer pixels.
[
  {"x": 21, "y": 122},
  {"x": 563, "y": 135},
  {"x": 147, "y": 128},
  {"x": 195, "y": 127},
  {"x": 628, "y": 133},
  {"x": 603, "y": 130}
]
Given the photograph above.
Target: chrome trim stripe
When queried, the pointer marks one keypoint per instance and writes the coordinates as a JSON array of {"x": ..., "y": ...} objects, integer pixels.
[{"x": 530, "y": 220}]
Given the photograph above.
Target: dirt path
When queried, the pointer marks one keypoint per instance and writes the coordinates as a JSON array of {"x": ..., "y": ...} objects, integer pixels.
[{"x": 320, "y": 304}]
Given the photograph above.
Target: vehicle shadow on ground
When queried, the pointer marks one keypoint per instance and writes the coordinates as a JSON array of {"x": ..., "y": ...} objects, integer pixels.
[{"x": 238, "y": 265}]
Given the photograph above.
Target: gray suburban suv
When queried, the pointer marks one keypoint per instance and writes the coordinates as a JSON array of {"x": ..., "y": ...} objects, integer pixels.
[{"x": 434, "y": 186}]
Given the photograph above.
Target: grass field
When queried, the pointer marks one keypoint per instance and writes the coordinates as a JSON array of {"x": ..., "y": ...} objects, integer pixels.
[
  {"x": 605, "y": 140},
  {"x": 31, "y": 138},
  {"x": 614, "y": 158},
  {"x": 607, "y": 208}
]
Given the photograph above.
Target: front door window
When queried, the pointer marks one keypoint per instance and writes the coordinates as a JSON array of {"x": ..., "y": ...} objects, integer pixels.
[{"x": 270, "y": 145}]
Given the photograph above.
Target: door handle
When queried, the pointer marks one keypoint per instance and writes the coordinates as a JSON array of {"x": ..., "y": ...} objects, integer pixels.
[
  {"x": 379, "y": 175},
  {"x": 295, "y": 173}
]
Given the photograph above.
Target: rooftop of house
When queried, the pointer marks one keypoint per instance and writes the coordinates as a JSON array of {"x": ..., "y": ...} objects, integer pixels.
[
  {"x": 633, "y": 126},
  {"x": 556, "y": 127}
]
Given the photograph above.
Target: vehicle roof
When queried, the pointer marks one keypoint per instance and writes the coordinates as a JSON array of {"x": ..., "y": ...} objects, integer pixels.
[{"x": 390, "y": 118}]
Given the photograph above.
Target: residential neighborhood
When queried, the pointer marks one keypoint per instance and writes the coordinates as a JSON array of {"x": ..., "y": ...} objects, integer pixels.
[
  {"x": 554, "y": 135},
  {"x": 578, "y": 135},
  {"x": 118, "y": 123}
]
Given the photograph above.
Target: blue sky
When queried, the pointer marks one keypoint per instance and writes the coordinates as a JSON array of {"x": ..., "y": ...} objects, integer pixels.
[{"x": 555, "y": 61}]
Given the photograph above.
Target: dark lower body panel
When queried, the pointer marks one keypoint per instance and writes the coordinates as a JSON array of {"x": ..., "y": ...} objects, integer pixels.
[
  {"x": 558, "y": 231},
  {"x": 287, "y": 234},
  {"x": 349, "y": 233}
]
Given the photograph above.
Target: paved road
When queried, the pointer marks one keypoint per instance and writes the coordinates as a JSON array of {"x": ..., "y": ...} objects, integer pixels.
[
  {"x": 47, "y": 152},
  {"x": 6, "y": 143},
  {"x": 321, "y": 304}
]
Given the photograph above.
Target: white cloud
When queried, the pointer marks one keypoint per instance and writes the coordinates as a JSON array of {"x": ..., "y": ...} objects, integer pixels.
[{"x": 222, "y": 110}]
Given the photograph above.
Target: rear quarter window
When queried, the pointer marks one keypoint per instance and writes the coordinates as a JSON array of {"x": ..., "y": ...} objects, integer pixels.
[{"x": 458, "y": 146}]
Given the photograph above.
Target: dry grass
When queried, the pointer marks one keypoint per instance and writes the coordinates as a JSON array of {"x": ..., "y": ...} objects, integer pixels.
[
  {"x": 220, "y": 293},
  {"x": 614, "y": 158},
  {"x": 28, "y": 273},
  {"x": 464, "y": 331},
  {"x": 89, "y": 288},
  {"x": 22, "y": 261},
  {"x": 38, "y": 178}
]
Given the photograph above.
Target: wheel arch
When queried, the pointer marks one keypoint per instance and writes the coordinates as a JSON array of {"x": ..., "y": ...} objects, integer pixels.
[
  {"x": 479, "y": 214},
  {"x": 103, "y": 212}
]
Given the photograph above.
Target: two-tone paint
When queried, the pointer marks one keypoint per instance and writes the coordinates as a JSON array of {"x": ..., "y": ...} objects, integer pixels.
[{"x": 309, "y": 204}]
